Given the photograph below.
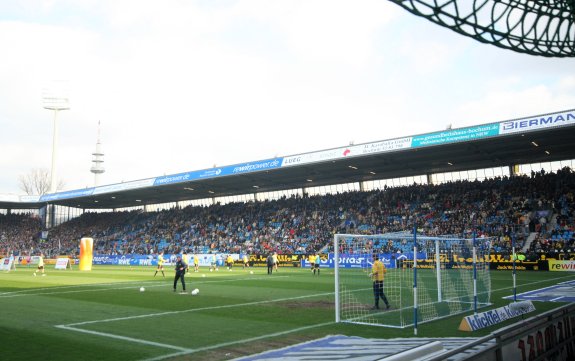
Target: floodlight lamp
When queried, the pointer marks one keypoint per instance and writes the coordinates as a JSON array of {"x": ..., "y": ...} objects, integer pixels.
[{"x": 56, "y": 103}]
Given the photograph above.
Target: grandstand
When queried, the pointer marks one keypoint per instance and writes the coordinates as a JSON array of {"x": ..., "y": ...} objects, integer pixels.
[{"x": 367, "y": 171}]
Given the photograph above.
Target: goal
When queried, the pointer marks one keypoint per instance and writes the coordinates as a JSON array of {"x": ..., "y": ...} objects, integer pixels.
[{"x": 427, "y": 278}]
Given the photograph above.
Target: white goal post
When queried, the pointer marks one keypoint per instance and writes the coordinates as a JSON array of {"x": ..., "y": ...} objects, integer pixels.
[{"x": 427, "y": 278}]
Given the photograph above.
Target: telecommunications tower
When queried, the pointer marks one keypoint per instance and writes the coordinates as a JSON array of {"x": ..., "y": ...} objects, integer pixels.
[{"x": 97, "y": 160}]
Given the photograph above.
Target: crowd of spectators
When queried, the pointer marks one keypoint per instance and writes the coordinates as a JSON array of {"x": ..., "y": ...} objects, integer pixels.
[{"x": 540, "y": 205}]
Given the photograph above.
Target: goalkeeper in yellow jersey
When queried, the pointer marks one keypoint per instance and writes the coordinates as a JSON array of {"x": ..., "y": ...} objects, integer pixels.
[
  {"x": 161, "y": 261},
  {"x": 377, "y": 275}
]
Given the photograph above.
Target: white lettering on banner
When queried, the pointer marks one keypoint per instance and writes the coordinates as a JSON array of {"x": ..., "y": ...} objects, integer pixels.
[
  {"x": 551, "y": 120},
  {"x": 145, "y": 262},
  {"x": 254, "y": 167},
  {"x": 495, "y": 316},
  {"x": 124, "y": 261},
  {"x": 102, "y": 259},
  {"x": 173, "y": 179}
]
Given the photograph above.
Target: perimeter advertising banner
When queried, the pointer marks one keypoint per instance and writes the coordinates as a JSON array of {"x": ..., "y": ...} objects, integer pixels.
[
  {"x": 495, "y": 316},
  {"x": 6, "y": 264},
  {"x": 390, "y": 260},
  {"x": 561, "y": 266},
  {"x": 152, "y": 260}
]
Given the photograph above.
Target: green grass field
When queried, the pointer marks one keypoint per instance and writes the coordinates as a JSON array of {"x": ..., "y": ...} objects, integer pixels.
[{"x": 102, "y": 315}]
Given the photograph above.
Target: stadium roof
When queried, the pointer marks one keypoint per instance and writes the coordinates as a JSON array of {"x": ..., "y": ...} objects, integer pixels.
[{"x": 541, "y": 138}]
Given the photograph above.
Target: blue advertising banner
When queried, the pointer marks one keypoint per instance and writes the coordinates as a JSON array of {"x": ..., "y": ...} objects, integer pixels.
[
  {"x": 68, "y": 194},
  {"x": 455, "y": 135},
  {"x": 390, "y": 260},
  {"x": 126, "y": 260},
  {"x": 152, "y": 259},
  {"x": 221, "y": 171}
]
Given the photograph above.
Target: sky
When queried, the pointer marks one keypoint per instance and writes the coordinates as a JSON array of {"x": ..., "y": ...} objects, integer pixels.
[{"x": 183, "y": 85}]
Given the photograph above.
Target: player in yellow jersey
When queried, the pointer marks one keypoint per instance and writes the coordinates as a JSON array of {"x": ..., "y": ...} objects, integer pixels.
[
  {"x": 276, "y": 263},
  {"x": 40, "y": 265},
  {"x": 377, "y": 275},
  {"x": 185, "y": 259},
  {"x": 196, "y": 263},
  {"x": 160, "y": 268},
  {"x": 311, "y": 260},
  {"x": 229, "y": 262},
  {"x": 317, "y": 260},
  {"x": 246, "y": 261}
]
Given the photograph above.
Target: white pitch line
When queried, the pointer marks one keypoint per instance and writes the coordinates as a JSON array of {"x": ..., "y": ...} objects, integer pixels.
[
  {"x": 207, "y": 348},
  {"x": 139, "y": 283},
  {"x": 195, "y": 310},
  {"x": 124, "y": 338},
  {"x": 185, "y": 351},
  {"x": 63, "y": 287},
  {"x": 76, "y": 291}
]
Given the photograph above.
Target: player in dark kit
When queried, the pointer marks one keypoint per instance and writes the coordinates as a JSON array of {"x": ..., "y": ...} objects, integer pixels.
[{"x": 181, "y": 267}]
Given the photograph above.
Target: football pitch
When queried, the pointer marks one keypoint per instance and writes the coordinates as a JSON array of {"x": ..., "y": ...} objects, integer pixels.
[{"x": 102, "y": 315}]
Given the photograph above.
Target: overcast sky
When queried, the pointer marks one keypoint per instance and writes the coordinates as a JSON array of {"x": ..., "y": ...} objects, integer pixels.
[{"x": 183, "y": 85}]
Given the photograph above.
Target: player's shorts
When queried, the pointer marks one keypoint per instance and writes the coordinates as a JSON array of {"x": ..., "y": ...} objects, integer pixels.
[
  {"x": 40, "y": 267},
  {"x": 316, "y": 265}
]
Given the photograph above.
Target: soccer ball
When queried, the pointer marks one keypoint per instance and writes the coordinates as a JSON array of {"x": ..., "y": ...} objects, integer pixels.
[
  {"x": 203, "y": 275},
  {"x": 195, "y": 292},
  {"x": 251, "y": 272},
  {"x": 142, "y": 289}
]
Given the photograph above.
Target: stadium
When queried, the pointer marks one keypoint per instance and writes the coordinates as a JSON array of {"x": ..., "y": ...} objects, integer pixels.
[
  {"x": 455, "y": 244},
  {"x": 521, "y": 214}
]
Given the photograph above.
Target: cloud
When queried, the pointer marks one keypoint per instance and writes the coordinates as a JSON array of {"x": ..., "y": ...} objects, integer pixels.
[{"x": 184, "y": 85}]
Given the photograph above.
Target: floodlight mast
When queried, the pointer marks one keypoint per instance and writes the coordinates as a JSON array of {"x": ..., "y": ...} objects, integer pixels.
[{"x": 55, "y": 103}]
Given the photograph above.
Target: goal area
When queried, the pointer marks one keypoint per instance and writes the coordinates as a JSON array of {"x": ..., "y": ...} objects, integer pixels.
[{"x": 427, "y": 278}]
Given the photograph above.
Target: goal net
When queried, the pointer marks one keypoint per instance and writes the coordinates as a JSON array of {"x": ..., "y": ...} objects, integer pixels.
[{"x": 427, "y": 278}]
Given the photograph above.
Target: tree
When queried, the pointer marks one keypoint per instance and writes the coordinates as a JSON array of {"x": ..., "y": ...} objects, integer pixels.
[{"x": 37, "y": 182}]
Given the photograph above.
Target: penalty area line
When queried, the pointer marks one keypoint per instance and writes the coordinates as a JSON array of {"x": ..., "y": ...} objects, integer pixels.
[
  {"x": 230, "y": 343},
  {"x": 197, "y": 309},
  {"x": 124, "y": 338}
]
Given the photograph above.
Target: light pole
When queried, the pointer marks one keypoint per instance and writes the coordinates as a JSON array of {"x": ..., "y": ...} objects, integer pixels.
[{"x": 55, "y": 101}]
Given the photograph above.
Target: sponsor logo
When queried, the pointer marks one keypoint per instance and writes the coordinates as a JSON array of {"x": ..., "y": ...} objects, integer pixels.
[
  {"x": 540, "y": 122},
  {"x": 561, "y": 265}
]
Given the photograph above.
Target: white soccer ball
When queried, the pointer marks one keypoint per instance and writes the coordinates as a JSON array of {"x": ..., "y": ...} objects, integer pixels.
[
  {"x": 195, "y": 292},
  {"x": 251, "y": 272},
  {"x": 142, "y": 289},
  {"x": 203, "y": 275}
]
